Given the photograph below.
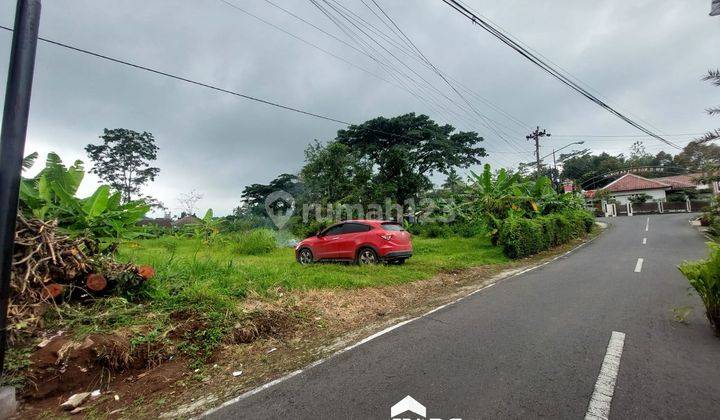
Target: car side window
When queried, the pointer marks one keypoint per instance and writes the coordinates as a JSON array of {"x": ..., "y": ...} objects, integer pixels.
[
  {"x": 355, "y": 228},
  {"x": 335, "y": 230}
]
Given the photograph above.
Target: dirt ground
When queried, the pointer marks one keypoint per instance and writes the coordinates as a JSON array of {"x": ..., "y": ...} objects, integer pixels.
[{"x": 271, "y": 346}]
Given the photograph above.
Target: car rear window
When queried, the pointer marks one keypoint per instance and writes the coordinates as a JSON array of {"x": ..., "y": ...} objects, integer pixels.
[
  {"x": 355, "y": 228},
  {"x": 392, "y": 227}
]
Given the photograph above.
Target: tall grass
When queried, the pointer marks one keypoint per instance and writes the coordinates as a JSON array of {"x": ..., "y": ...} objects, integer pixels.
[
  {"x": 219, "y": 275},
  {"x": 254, "y": 242}
]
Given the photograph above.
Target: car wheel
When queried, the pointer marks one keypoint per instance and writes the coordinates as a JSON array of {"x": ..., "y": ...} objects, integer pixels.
[
  {"x": 305, "y": 256},
  {"x": 367, "y": 256}
]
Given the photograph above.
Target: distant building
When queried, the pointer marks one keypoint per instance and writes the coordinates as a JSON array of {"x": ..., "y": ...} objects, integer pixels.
[
  {"x": 187, "y": 220},
  {"x": 160, "y": 221},
  {"x": 690, "y": 181},
  {"x": 630, "y": 185}
]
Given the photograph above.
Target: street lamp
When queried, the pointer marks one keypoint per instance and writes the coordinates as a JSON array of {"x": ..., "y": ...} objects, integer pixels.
[{"x": 557, "y": 150}]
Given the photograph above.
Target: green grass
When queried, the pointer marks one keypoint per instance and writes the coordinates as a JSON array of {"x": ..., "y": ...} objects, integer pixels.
[
  {"x": 207, "y": 283},
  {"x": 189, "y": 271}
]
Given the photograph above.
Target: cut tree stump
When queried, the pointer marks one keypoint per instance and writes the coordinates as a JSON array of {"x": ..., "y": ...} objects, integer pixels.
[
  {"x": 96, "y": 282},
  {"x": 52, "y": 291}
]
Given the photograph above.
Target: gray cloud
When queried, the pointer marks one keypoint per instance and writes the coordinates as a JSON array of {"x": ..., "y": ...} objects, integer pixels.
[{"x": 645, "y": 56}]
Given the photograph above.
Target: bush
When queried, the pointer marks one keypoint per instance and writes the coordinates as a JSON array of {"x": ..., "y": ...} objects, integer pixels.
[
  {"x": 436, "y": 230},
  {"x": 704, "y": 277},
  {"x": 707, "y": 219},
  {"x": 254, "y": 242},
  {"x": 306, "y": 229},
  {"x": 468, "y": 229},
  {"x": 521, "y": 237}
]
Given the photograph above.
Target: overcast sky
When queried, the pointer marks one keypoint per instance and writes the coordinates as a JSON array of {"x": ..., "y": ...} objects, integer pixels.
[{"x": 645, "y": 57}]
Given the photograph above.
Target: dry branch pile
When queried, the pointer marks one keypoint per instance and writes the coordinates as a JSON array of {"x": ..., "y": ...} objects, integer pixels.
[{"x": 49, "y": 266}]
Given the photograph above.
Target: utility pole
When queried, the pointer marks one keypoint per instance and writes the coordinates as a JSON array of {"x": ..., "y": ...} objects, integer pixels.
[
  {"x": 535, "y": 135},
  {"x": 12, "y": 142}
]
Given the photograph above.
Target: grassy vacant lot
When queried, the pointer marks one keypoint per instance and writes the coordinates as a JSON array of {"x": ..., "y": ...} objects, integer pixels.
[
  {"x": 191, "y": 271},
  {"x": 205, "y": 297}
]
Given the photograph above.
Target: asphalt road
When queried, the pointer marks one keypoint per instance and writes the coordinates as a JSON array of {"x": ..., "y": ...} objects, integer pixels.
[{"x": 533, "y": 345}]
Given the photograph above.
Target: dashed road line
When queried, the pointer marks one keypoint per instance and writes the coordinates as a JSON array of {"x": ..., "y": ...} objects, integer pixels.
[
  {"x": 599, "y": 406},
  {"x": 647, "y": 224},
  {"x": 644, "y": 241},
  {"x": 638, "y": 265}
]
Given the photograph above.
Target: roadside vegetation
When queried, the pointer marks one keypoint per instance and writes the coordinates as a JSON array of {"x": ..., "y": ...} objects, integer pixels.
[
  {"x": 704, "y": 275},
  {"x": 106, "y": 295}
]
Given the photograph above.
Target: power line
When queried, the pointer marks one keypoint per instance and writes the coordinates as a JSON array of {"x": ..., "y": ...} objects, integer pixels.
[
  {"x": 350, "y": 33},
  {"x": 540, "y": 54},
  {"x": 411, "y": 50},
  {"x": 184, "y": 79},
  {"x": 548, "y": 68},
  {"x": 627, "y": 136},
  {"x": 400, "y": 48},
  {"x": 205, "y": 85},
  {"x": 438, "y": 72}
]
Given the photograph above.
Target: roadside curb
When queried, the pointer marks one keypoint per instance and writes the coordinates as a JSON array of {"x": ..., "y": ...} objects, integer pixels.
[{"x": 508, "y": 274}]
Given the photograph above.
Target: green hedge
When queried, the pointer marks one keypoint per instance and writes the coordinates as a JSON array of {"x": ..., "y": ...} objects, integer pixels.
[{"x": 521, "y": 237}]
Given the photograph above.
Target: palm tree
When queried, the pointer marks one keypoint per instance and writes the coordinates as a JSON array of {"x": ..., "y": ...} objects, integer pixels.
[{"x": 713, "y": 77}]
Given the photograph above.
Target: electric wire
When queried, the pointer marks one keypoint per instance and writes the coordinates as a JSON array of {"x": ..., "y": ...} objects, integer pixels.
[{"x": 548, "y": 68}]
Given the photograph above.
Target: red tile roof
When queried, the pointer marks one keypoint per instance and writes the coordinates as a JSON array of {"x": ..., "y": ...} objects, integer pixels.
[
  {"x": 681, "y": 181},
  {"x": 590, "y": 193},
  {"x": 632, "y": 182}
]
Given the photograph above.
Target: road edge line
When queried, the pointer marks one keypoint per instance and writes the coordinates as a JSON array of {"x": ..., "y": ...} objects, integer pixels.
[{"x": 384, "y": 331}]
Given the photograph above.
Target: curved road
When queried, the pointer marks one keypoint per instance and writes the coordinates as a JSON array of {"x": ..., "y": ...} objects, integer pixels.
[{"x": 534, "y": 345}]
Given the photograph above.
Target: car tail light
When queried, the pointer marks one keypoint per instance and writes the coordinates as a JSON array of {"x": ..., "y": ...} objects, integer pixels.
[{"x": 386, "y": 237}]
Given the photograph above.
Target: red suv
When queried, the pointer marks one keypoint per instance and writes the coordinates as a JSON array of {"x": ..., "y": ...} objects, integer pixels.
[{"x": 360, "y": 241}]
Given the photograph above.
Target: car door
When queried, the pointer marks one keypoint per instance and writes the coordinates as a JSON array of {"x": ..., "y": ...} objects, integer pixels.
[
  {"x": 347, "y": 243},
  {"x": 326, "y": 247}
]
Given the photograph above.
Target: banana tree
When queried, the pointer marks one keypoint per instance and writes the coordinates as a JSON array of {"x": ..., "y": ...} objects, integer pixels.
[
  {"x": 37, "y": 195},
  {"x": 101, "y": 217},
  {"x": 491, "y": 198}
]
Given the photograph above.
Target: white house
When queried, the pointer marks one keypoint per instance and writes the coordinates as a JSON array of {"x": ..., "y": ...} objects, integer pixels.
[{"x": 629, "y": 185}]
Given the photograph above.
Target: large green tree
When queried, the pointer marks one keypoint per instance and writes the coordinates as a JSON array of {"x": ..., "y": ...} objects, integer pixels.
[
  {"x": 699, "y": 156},
  {"x": 254, "y": 195},
  {"x": 404, "y": 151},
  {"x": 334, "y": 173},
  {"x": 123, "y": 160}
]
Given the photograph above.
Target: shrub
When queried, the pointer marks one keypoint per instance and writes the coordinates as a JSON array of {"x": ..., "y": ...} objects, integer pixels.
[
  {"x": 468, "y": 229},
  {"x": 521, "y": 237},
  {"x": 430, "y": 230},
  {"x": 704, "y": 277},
  {"x": 436, "y": 230},
  {"x": 306, "y": 229},
  {"x": 254, "y": 242}
]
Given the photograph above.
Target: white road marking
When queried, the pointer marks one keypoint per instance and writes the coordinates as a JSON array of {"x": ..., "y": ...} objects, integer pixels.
[
  {"x": 383, "y": 332},
  {"x": 599, "y": 406},
  {"x": 644, "y": 241},
  {"x": 638, "y": 265},
  {"x": 647, "y": 224}
]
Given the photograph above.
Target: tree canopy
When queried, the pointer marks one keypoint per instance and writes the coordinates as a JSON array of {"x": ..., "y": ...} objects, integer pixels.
[
  {"x": 254, "y": 195},
  {"x": 123, "y": 160},
  {"x": 404, "y": 151}
]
